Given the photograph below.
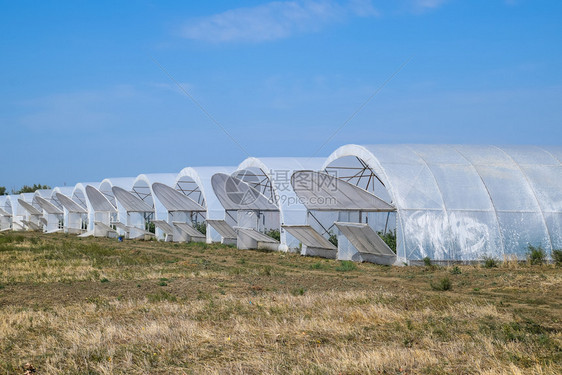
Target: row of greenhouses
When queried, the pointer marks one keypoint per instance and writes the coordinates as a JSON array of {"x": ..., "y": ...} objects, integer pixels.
[{"x": 388, "y": 204}]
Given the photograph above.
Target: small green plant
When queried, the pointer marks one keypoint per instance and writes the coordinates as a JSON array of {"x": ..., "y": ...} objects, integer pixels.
[
  {"x": 149, "y": 226},
  {"x": 318, "y": 266},
  {"x": 442, "y": 285},
  {"x": 536, "y": 255},
  {"x": 490, "y": 263},
  {"x": 390, "y": 239},
  {"x": 346, "y": 265},
  {"x": 427, "y": 262},
  {"x": 267, "y": 270},
  {"x": 273, "y": 233},
  {"x": 161, "y": 296},
  {"x": 456, "y": 270},
  {"x": 557, "y": 257},
  {"x": 163, "y": 283},
  {"x": 201, "y": 227},
  {"x": 333, "y": 239},
  {"x": 104, "y": 280}
]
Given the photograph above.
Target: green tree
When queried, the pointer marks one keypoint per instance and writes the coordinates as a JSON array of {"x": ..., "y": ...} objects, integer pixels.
[
  {"x": 2, "y": 190},
  {"x": 30, "y": 189}
]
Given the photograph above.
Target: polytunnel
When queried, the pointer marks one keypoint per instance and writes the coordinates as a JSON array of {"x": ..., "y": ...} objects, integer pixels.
[
  {"x": 259, "y": 201},
  {"x": 142, "y": 207},
  {"x": 53, "y": 212},
  {"x": 81, "y": 214},
  {"x": 5, "y": 214},
  {"x": 191, "y": 206},
  {"x": 456, "y": 202},
  {"x": 107, "y": 213},
  {"x": 30, "y": 211},
  {"x": 12, "y": 207}
]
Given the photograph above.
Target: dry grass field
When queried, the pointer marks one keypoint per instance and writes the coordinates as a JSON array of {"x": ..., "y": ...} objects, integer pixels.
[{"x": 97, "y": 306}]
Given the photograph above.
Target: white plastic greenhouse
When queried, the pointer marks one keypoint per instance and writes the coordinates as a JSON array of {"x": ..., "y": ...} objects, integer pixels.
[
  {"x": 457, "y": 202},
  {"x": 389, "y": 204},
  {"x": 258, "y": 199}
]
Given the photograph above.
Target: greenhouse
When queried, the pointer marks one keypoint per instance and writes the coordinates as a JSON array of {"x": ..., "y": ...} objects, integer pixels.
[
  {"x": 75, "y": 217},
  {"x": 258, "y": 199},
  {"x": 456, "y": 202},
  {"x": 192, "y": 206},
  {"x": 79, "y": 219},
  {"x": 5, "y": 214},
  {"x": 388, "y": 204},
  {"x": 142, "y": 189}
]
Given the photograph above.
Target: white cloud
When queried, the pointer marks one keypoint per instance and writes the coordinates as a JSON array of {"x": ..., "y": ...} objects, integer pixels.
[{"x": 274, "y": 20}]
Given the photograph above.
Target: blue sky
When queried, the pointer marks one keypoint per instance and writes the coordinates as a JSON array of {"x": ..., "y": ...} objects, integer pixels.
[{"x": 82, "y": 97}]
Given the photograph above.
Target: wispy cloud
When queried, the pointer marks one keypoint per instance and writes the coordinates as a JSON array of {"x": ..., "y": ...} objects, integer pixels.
[{"x": 274, "y": 20}]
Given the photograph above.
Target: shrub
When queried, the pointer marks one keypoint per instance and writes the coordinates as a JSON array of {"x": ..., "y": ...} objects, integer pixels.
[
  {"x": 443, "y": 284},
  {"x": 536, "y": 255},
  {"x": 557, "y": 257},
  {"x": 149, "y": 226},
  {"x": 333, "y": 239},
  {"x": 273, "y": 233},
  {"x": 489, "y": 263},
  {"x": 389, "y": 238},
  {"x": 346, "y": 265},
  {"x": 427, "y": 262},
  {"x": 201, "y": 227}
]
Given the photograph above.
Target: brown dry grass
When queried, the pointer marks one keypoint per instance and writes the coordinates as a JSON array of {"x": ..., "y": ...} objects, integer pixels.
[{"x": 94, "y": 306}]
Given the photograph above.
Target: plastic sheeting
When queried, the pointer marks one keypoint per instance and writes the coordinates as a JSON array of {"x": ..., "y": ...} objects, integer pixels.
[
  {"x": 188, "y": 229},
  {"x": 254, "y": 234},
  {"x": 221, "y": 226},
  {"x": 48, "y": 206},
  {"x": 278, "y": 171},
  {"x": 235, "y": 194},
  {"x": 309, "y": 237},
  {"x": 29, "y": 208},
  {"x": 323, "y": 192},
  {"x": 99, "y": 202},
  {"x": 364, "y": 238},
  {"x": 70, "y": 205},
  {"x": 175, "y": 201},
  {"x": 164, "y": 226},
  {"x": 201, "y": 177},
  {"x": 130, "y": 202},
  {"x": 458, "y": 202}
]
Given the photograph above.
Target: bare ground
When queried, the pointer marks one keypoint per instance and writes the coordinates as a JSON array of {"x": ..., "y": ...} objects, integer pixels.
[{"x": 97, "y": 306}]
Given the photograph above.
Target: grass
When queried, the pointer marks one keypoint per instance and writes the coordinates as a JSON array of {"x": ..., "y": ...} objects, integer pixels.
[
  {"x": 442, "y": 285},
  {"x": 536, "y": 255},
  {"x": 226, "y": 311},
  {"x": 557, "y": 257},
  {"x": 346, "y": 266}
]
